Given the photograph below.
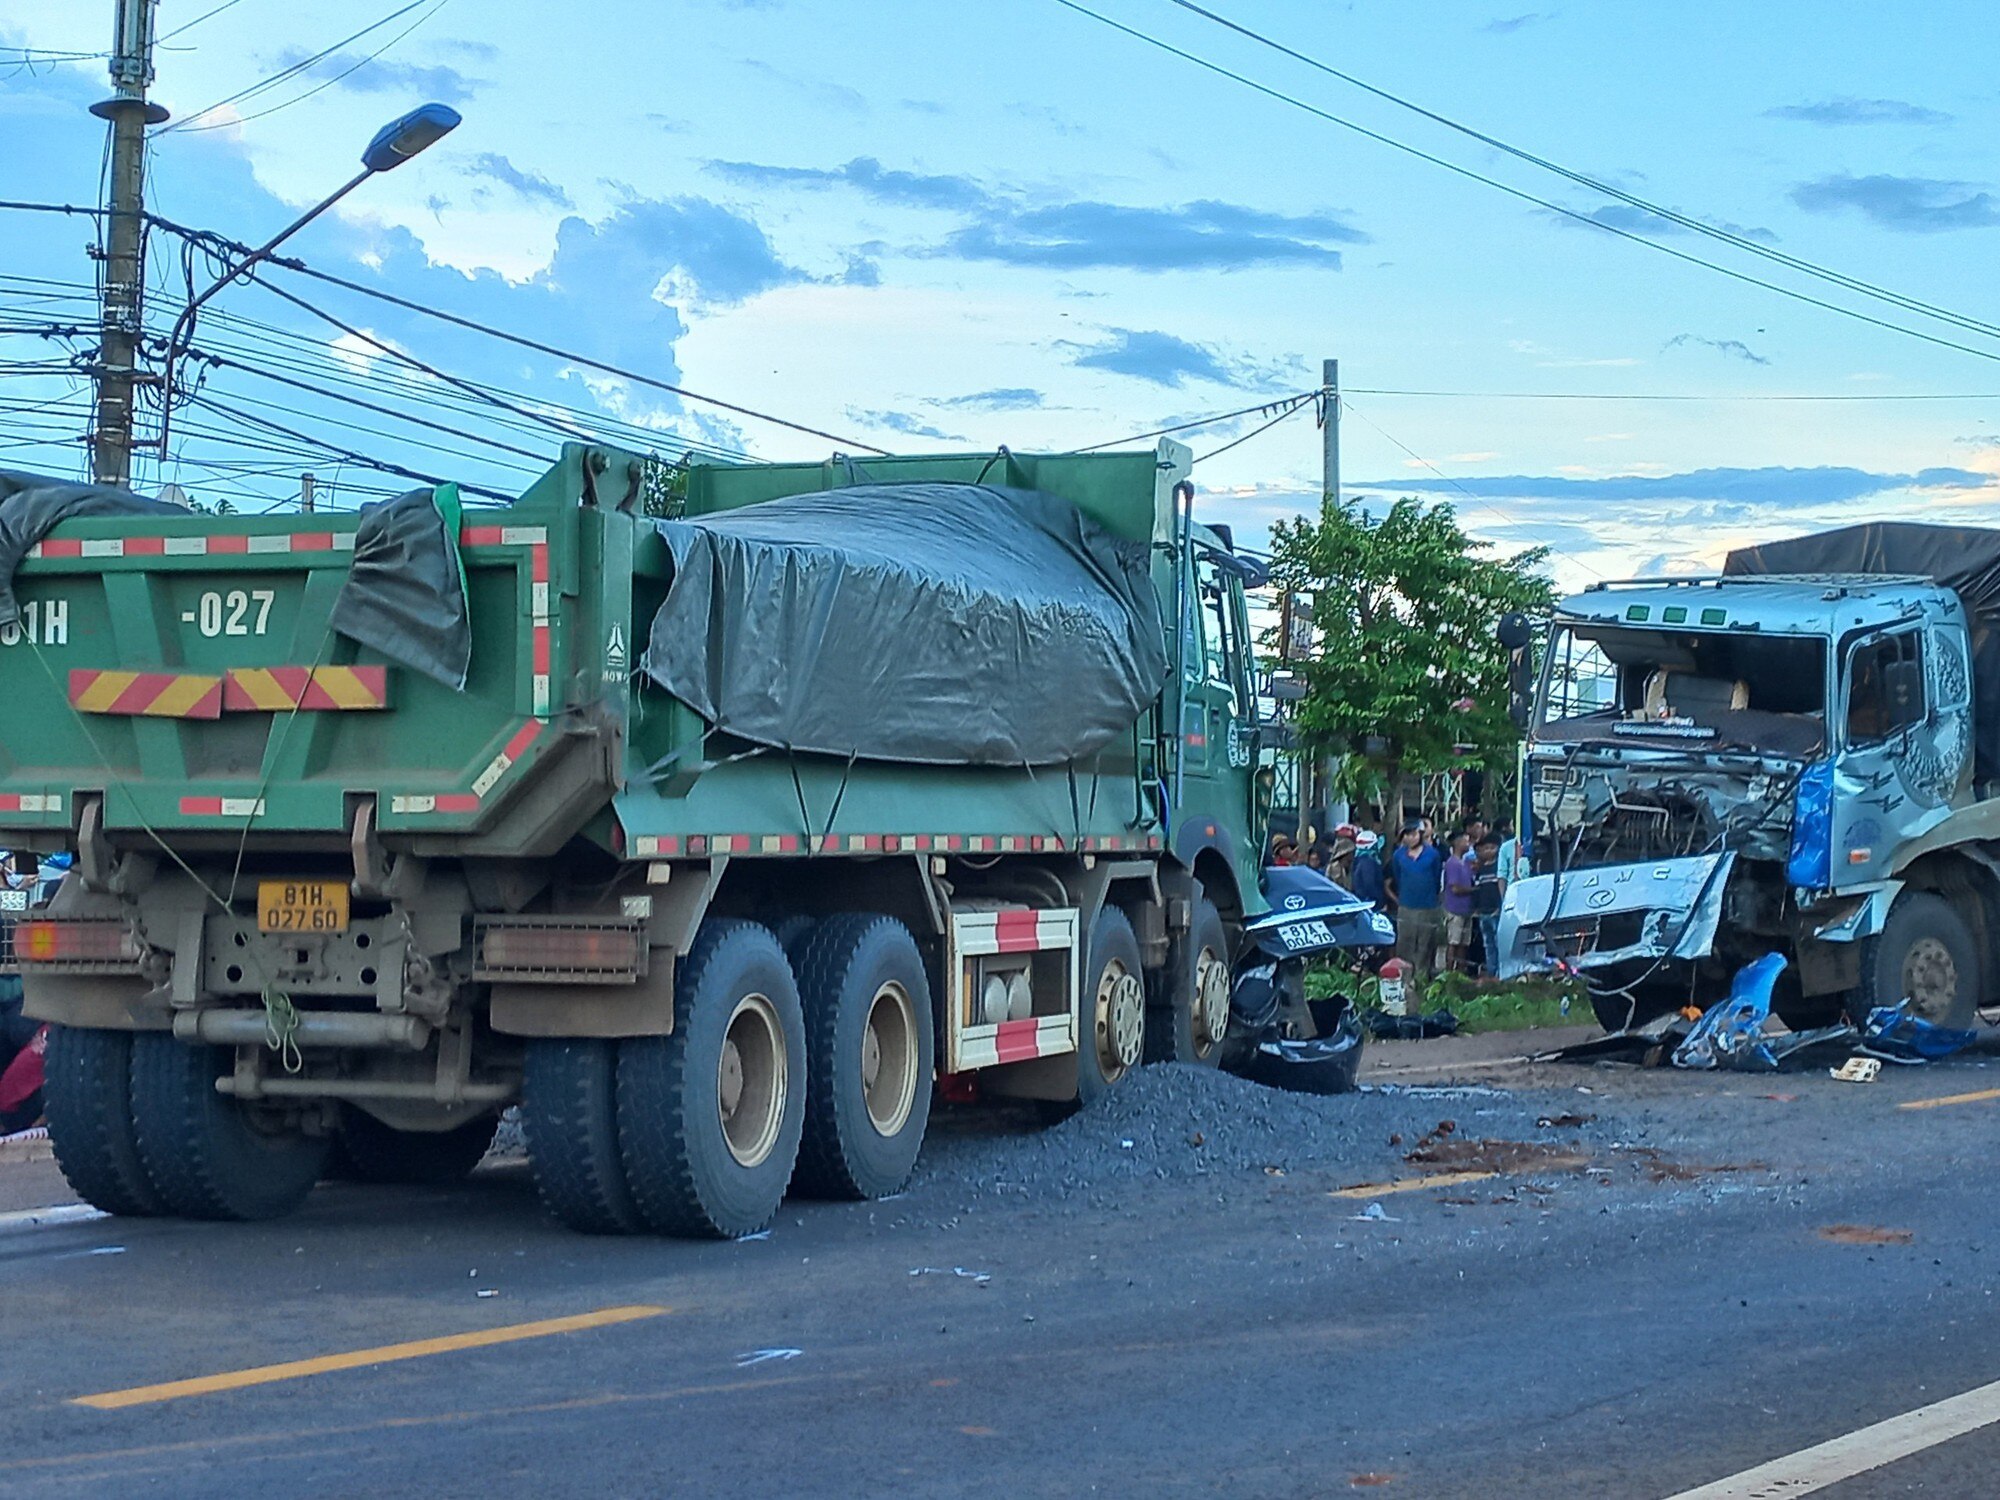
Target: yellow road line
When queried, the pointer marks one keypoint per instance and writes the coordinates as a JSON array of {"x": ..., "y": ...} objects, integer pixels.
[
  {"x": 233, "y": 1380},
  {"x": 1979, "y": 1098},
  {"x": 1411, "y": 1184}
]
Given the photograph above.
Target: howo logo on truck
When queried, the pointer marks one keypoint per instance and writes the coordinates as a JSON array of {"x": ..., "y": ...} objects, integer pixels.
[{"x": 42, "y": 623}]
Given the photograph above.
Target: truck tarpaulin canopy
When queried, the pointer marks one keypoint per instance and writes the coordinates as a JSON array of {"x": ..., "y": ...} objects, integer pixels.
[
  {"x": 405, "y": 592},
  {"x": 954, "y": 624},
  {"x": 1964, "y": 559},
  {"x": 32, "y": 504}
]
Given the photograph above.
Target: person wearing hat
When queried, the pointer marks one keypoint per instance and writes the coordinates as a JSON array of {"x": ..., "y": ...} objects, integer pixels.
[
  {"x": 1415, "y": 885},
  {"x": 1365, "y": 879}
]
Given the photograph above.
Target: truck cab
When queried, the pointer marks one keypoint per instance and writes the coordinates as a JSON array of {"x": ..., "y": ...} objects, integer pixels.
[{"x": 1720, "y": 768}]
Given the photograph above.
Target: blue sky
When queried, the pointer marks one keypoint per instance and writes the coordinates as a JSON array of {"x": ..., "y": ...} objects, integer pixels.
[{"x": 926, "y": 225}]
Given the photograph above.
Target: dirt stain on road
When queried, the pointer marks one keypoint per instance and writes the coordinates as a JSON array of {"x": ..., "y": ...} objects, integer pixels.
[{"x": 1865, "y": 1234}]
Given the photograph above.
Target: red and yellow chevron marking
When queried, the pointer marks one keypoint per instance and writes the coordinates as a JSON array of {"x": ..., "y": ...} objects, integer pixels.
[
  {"x": 155, "y": 695},
  {"x": 312, "y": 689}
]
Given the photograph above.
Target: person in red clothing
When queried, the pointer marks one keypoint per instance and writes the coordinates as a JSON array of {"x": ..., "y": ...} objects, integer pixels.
[{"x": 21, "y": 1085}]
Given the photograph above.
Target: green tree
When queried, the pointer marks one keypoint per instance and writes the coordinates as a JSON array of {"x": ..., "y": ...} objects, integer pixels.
[
  {"x": 664, "y": 486},
  {"x": 1404, "y": 608}
]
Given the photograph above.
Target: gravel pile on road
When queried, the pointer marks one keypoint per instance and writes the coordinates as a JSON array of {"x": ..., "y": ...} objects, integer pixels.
[{"x": 1175, "y": 1121}]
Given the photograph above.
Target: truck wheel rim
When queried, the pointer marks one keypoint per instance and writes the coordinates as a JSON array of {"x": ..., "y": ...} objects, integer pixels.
[
  {"x": 1211, "y": 999},
  {"x": 1930, "y": 978},
  {"x": 889, "y": 1059},
  {"x": 750, "y": 1081},
  {"x": 1121, "y": 1019}
]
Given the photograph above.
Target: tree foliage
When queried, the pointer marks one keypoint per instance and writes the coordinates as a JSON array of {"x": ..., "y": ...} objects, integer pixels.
[{"x": 1404, "y": 608}]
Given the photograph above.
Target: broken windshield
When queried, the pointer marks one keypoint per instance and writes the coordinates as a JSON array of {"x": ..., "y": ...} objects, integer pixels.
[{"x": 1696, "y": 688}]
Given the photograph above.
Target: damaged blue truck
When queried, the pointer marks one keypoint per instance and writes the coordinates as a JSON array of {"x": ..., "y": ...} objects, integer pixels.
[{"x": 1799, "y": 756}]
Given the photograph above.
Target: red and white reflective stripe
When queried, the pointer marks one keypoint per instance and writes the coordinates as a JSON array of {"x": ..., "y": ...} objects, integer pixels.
[
  {"x": 30, "y": 802},
  {"x": 1015, "y": 1041},
  {"x": 655, "y": 846},
  {"x": 222, "y": 807},
  {"x": 536, "y": 540},
  {"x": 976, "y": 932},
  {"x": 470, "y": 802},
  {"x": 220, "y": 544},
  {"x": 437, "y": 802}
]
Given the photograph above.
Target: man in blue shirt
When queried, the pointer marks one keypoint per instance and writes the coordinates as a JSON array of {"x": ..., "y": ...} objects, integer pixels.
[{"x": 1415, "y": 881}]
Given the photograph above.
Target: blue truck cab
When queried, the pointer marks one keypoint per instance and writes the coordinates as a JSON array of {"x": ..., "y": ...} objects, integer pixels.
[{"x": 1724, "y": 767}]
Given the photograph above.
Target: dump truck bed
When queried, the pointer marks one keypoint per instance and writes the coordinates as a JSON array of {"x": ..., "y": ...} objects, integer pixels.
[{"x": 185, "y": 672}]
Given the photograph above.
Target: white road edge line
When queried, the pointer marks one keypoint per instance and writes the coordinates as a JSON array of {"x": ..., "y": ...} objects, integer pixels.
[
  {"x": 39, "y": 1218},
  {"x": 1842, "y": 1458}
]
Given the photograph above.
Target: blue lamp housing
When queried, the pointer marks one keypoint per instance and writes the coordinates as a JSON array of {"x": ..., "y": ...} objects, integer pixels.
[{"x": 401, "y": 139}]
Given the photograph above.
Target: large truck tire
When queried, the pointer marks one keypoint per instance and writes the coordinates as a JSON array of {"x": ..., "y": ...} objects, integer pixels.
[
  {"x": 870, "y": 1054},
  {"x": 209, "y": 1156},
  {"x": 1189, "y": 1026},
  {"x": 87, "y": 1095},
  {"x": 1925, "y": 954},
  {"x": 366, "y": 1150},
  {"x": 1111, "y": 1011},
  {"x": 709, "y": 1117},
  {"x": 569, "y": 1115}
]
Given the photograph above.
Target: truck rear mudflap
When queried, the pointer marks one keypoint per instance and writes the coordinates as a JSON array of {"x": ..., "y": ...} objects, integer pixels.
[{"x": 1591, "y": 918}]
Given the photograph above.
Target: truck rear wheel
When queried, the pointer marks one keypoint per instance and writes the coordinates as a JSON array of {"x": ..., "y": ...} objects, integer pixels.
[
  {"x": 1189, "y": 1028},
  {"x": 1925, "y": 954},
  {"x": 87, "y": 1094},
  {"x": 366, "y": 1150},
  {"x": 869, "y": 1057},
  {"x": 569, "y": 1114},
  {"x": 709, "y": 1117},
  {"x": 211, "y": 1156},
  {"x": 1112, "y": 1013}
]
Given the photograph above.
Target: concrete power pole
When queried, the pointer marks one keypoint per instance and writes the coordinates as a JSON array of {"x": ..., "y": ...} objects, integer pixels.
[
  {"x": 1329, "y": 435},
  {"x": 124, "y": 270},
  {"x": 1316, "y": 777}
]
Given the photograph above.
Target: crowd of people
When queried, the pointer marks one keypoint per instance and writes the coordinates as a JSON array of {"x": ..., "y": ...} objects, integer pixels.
[{"x": 1443, "y": 897}]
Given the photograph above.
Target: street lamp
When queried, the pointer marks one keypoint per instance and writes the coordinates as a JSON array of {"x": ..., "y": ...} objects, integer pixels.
[{"x": 394, "y": 144}]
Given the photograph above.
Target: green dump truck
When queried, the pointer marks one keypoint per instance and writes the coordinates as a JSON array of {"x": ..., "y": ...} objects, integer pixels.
[{"x": 736, "y": 838}]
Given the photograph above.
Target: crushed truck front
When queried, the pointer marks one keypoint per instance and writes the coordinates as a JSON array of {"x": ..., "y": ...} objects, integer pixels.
[{"x": 1693, "y": 746}]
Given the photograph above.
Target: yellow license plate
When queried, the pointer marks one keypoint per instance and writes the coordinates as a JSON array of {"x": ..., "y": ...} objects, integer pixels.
[{"x": 302, "y": 906}]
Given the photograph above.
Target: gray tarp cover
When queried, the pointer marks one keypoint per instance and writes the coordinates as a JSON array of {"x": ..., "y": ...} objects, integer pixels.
[
  {"x": 32, "y": 504},
  {"x": 404, "y": 595},
  {"x": 952, "y": 624},
  {"x": 1964, "y": 559}
]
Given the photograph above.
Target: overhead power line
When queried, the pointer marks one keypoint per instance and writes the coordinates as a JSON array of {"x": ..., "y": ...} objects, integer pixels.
[
  {"x": 329, "y": 82},
  {"x": 1360, "y": 390},
  {"x": 568, "y": 356},
  {"x": 186, "y": 26},
  {"x": 292, "y": 71},
  {"x": 1293, "y": 410},
  {"x": 1479, "y": 500},
  {"x": 1520, "y": 193},
  {"x": 1688, "y": 222},
  {"x": 1290, "y": 403}
]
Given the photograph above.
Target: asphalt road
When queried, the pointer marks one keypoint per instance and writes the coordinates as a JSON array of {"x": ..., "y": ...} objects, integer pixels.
[{"x": 1635, "y": 1306}]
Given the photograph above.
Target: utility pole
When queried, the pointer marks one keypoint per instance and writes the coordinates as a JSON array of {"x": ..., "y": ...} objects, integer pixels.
[
  {"x": 307, "y": 484},
  {"x": 1329, "y": 426},
  {"x": 124, "y": 267},
  {"x": 1316, "y": 776}
]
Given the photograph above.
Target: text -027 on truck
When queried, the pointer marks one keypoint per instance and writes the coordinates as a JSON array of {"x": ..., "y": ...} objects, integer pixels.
[
  {"x": 1801, "y": 756},
  {"x": 741, "y": 829}
]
